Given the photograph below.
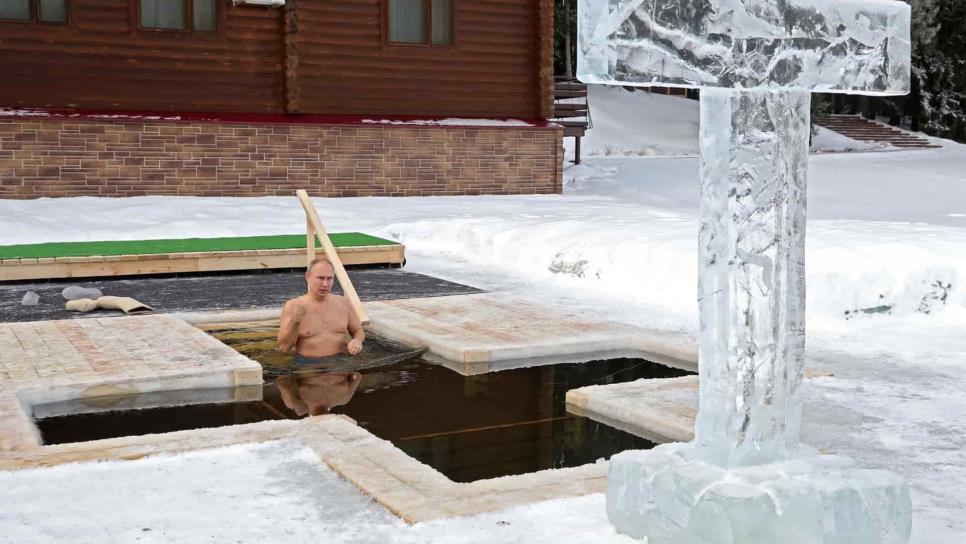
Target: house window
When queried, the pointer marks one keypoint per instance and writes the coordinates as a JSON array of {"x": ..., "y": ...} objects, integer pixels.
[
  {"x": 424, "y": 22},
  {"x": 42, "y": 11},
  {"x": 188, "y": 15}
]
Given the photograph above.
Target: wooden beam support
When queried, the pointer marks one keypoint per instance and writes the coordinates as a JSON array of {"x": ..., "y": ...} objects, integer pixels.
[
  {"x": 309, "y": 241},
  {"x": 330, "y": 253},
  {"x": 292, "y": 102}
]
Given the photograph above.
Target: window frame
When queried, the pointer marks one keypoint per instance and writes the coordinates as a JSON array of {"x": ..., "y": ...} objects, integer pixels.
[
  {"x": 35, "y": 16},
  {"x": 189, "y": 6},
  {"x": 428, "y": 20}
]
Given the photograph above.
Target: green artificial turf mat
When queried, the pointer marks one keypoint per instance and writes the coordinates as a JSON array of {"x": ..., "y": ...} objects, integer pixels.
[{"x": 188, "y": 245}]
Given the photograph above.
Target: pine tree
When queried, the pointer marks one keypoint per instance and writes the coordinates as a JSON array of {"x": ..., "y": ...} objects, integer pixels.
[
  {"x": 937, "y": 99},
  {"x": 565, "y": 25},
  {"x": 939, "y": 72}
]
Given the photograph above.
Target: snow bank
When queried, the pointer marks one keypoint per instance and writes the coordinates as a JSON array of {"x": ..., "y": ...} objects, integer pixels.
[
  {"x": 827, "y": 141},
  {"x": 637, "y": 124},
  {"x": 272, "y": 492}
]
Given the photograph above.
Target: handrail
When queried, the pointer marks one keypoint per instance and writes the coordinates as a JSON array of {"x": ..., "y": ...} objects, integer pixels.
[{"x": 313, "y": 229}]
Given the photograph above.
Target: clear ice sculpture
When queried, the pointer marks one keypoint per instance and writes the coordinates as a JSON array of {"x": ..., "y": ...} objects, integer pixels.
[
  {"x": 852, "y": 46},
  {"x": 756, "y": 63}
]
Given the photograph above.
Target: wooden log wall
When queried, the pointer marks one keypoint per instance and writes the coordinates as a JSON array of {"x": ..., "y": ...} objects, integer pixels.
[
  {"x": 101, "y": 61},
  {"x": 312, "y": 56},
  {"x": 492, "y": 71}
]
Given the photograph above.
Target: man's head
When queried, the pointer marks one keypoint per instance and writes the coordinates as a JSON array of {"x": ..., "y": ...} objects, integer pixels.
[{"x": 319, "y": 276}]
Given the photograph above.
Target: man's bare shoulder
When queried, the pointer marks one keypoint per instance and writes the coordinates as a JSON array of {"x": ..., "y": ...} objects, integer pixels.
[
  {"x": 292, "y": 302},
  {"x": 339, "y": 299}
]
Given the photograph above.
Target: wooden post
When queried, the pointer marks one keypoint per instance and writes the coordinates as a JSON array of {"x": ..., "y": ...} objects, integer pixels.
[
  {"x": 292, "y": 91},
  {"x": 312, "y": 217},
  {"x": 309, "y": 241}
]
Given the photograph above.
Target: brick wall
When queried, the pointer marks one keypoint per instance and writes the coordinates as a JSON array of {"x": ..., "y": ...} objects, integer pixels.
[{"x": 97, "y": 157}]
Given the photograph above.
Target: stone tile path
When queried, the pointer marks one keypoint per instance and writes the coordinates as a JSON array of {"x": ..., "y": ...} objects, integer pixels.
[
  {"x": 53, "y": 361},
  {"x": 477, "y": 333},
  {"x": 661, "y": 410}
]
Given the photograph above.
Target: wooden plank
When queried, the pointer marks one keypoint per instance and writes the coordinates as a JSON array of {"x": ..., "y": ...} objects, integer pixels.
[
  {"x": 309, "y": 241},
  {"x": 570, "y": 107},
  {"x": 124, "y": 265},
  {"x": 333, "y": 256},
  {"x": 383, "y": 256},
  {"x": 560, "y": 114},
  {"x": 569, "y": 94}
]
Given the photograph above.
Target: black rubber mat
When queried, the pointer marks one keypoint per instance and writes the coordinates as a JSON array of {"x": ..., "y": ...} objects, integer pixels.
[{"x": 224, "y": 291}]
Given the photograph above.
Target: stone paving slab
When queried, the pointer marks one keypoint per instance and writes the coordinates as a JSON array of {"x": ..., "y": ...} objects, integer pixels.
[
  {"x": 661, "y": 410},
  {"x": 478, "y": 333},
  {"x": 53, "y": 361}
]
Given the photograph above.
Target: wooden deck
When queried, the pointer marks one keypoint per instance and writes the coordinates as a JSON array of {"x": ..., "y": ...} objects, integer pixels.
[
  {"x": 571, "y": 110},
  {"x": 167, "y": 263}
]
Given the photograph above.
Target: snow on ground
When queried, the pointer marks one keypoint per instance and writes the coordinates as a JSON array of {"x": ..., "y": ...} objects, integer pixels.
[
  {"x": 886, "y": 269},
  {"x": 827, "y": 141},
  {"x": 272, "y": 492},
  {"x": 636, "y": 123}
]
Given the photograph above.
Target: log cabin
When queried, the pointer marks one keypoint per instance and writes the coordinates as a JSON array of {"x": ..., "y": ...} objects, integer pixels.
[{"x": 261, "y": 97}]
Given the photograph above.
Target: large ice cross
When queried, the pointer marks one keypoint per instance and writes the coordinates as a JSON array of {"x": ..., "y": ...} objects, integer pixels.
[{"x": 756, "y": 63}]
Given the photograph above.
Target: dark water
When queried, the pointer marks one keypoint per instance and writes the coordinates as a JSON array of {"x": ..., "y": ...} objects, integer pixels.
[{"x": 467, "y": 427}]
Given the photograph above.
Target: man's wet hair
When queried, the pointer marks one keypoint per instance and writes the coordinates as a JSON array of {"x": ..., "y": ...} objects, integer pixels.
[{"x": 317, "y": 260}]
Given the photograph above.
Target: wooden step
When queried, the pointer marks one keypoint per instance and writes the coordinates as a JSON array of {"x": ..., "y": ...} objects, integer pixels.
[
  {"x": 572, "y": 113},
  {"x": 865, "y": 130},
  {"x": 582, "y": 124},
  {"x": 570, "y": 86},
  {"x": 569, "y": 94}
]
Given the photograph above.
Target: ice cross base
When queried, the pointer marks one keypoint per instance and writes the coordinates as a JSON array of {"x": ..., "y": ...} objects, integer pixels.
[
  {"x": 671, "y": 497},
  {"x": 743, "y": 479}
]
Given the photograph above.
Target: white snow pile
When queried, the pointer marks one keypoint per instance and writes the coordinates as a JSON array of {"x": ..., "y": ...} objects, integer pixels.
[
  {"x": 272, "y": 492},
  {"x": 637, "y": 123},
  {"x": 828, "y": 141}
]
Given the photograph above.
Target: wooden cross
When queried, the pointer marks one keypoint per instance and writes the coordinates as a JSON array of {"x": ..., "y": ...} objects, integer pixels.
[{"x": 756, "y": 63}]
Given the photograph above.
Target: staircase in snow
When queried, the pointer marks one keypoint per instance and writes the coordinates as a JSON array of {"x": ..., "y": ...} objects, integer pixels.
[{"x": 862, "y": 129}]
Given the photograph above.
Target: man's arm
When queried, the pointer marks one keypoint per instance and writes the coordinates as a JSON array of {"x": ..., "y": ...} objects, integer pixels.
[
  {"x": 288, "y": 330},
  {"x": 357, "y": 332}
]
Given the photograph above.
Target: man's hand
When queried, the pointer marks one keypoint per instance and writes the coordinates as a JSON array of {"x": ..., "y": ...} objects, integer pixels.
[{"x": 354, "y": 347}]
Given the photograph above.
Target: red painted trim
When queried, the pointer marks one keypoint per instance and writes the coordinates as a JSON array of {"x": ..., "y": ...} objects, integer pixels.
[{"x": 258, "y": 118}]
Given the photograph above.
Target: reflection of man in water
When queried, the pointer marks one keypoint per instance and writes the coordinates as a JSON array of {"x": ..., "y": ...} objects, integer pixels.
[
  {"x": 315, "y": 324},
  {"x": 317, "y": 393}
]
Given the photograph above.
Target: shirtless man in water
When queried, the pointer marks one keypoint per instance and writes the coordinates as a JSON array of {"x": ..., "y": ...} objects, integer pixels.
[{"x": 315, "y": 324}]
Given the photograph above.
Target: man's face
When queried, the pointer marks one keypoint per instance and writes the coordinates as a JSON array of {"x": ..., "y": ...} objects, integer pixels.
[{"x": 320, "y": 279}]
